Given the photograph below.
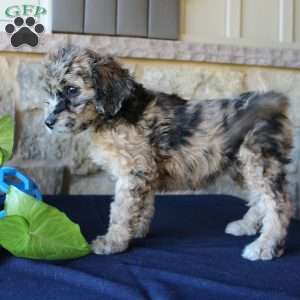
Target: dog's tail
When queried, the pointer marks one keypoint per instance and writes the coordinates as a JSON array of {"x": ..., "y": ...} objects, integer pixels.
[
  {"x": 267, "y": 104},
  {"x": 251, "y": 108}
]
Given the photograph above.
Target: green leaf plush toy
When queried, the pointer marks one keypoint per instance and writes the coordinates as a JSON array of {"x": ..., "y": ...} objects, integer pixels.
[{"x": 36, "y": 230}]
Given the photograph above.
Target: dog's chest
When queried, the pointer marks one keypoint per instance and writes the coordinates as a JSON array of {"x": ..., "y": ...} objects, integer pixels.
[{"x": 121, "y": 151}]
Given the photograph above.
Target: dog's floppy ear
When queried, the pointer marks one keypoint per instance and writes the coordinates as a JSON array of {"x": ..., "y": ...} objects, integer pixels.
[{"x": 113, "y": 85}]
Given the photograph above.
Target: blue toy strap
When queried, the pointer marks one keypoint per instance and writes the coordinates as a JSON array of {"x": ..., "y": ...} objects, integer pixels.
[
  {"x": 3, "y": 185},
  {"x": 26, "y": 185}
]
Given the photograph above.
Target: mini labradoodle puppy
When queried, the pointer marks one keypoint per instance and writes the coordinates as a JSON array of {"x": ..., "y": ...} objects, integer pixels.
[{"x": 151, "y": 141}]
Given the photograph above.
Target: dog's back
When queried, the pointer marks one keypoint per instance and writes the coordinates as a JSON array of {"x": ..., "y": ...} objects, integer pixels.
[{"x": 199, "y": 140}]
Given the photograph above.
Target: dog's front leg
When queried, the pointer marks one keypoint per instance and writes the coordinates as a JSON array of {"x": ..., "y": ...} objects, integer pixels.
[
  {"x": 146, "y": 214},
  {"x": 124, "y": 215}
]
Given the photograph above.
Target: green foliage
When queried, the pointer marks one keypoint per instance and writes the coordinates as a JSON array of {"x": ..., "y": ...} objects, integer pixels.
[{"x": 6, "y": 138}]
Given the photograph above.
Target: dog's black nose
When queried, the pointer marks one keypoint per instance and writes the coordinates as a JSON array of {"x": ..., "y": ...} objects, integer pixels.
[{"x": 50, "y": 122}]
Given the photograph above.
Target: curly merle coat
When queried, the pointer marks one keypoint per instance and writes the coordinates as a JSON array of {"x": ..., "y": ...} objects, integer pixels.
[{"x": 151, "y": 141}]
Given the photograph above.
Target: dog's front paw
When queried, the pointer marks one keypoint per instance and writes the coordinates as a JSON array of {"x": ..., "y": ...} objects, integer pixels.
[
  {"x": 239, "y": 228},
  {"x": 260, "y": 251},
  {"x": 106, "y": 245}
]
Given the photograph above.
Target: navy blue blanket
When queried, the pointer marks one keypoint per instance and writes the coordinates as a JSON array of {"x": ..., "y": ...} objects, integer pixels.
[{"x": 186, "y": 256}]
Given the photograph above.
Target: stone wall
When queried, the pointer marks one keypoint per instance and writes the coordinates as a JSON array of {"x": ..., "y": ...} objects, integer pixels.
[{"x": 61, "y": 164}]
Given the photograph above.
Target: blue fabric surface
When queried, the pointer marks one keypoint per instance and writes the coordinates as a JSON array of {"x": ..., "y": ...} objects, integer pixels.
[{"x": 186, "y": 256}]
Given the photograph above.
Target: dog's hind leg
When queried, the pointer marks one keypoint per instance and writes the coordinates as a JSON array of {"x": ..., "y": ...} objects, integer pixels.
[
  {"x": 267, "y": 177},
  {"x": 251, "y": 221}
]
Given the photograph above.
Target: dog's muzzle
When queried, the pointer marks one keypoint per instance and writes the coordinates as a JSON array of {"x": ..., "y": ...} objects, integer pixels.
[
  {"x": 51, "y": 120},
  {"x": 60, "y": 107}
]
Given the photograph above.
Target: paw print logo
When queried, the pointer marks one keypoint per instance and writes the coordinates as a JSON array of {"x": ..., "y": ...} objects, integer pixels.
[{"x": 24, "y": 32}]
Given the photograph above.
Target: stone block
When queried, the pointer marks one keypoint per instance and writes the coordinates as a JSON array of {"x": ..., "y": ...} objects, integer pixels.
[
  {"x": 193, "y": 83},
  {"x": 34, "y": 142},
  {"x": 30, "y": 79},
  {"x": 8, "y": 85},
  {"x": 99, "y": 184},
  {"x": 49, "y": 179}
]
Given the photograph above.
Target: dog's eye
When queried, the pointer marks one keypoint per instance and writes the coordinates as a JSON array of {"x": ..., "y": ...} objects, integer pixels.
[{"x": 71, "y": 91}]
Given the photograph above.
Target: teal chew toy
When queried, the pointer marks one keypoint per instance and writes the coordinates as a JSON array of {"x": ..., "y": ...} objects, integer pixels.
[{"x": 11, "y": 176}]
